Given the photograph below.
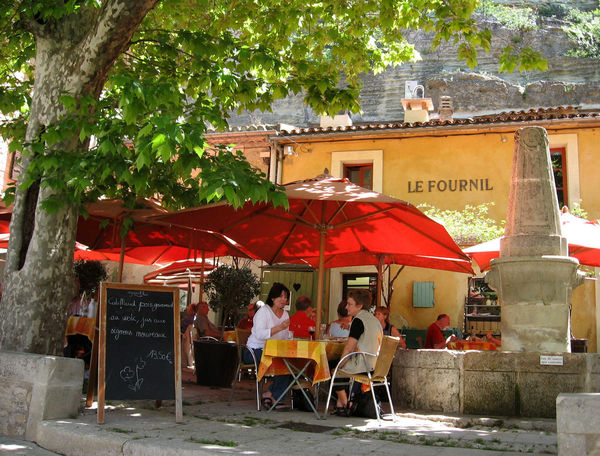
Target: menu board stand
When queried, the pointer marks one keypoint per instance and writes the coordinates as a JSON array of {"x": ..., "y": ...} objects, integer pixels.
[{"x": 139, "y": 345}]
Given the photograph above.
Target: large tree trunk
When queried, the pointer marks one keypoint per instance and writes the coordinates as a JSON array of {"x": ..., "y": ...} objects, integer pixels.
[{"x": 74, "y": 56}]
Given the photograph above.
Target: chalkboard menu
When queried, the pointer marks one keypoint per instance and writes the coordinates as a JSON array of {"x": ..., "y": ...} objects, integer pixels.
[{"x": 139, "y": 332}]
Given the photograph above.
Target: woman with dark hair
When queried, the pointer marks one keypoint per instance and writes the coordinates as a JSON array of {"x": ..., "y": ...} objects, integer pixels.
[
  {"x": 271, "y": 321},
  {"x": 341, "y": 326}
]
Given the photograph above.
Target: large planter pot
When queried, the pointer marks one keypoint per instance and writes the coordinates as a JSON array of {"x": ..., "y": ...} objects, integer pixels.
[{"x": 216, "y": 363}]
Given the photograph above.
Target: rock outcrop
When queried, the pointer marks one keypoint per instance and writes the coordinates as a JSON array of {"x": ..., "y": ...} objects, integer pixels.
[{"x": 568, "y": 81}]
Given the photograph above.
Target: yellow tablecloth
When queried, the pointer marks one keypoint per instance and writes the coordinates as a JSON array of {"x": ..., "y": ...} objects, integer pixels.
[
  {"x": 460, "y": 345},
  {"x": 295, "y": 351},
  {"x": 81, "y": 325}
]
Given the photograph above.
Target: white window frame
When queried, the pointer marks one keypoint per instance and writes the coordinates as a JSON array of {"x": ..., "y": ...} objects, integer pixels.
[{"x": 355, "y": 157}]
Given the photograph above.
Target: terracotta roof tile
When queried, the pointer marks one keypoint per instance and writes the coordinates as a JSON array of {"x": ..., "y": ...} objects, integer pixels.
[{"x": 533, "y": 114}]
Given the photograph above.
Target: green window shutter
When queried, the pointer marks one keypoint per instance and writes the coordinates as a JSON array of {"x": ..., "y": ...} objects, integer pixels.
[{"x": 423, "y": 294}]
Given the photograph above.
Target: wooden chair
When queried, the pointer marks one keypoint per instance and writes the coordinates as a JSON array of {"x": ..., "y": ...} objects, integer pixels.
[
  {"x": 241, "y": 336},
  {"x": 378, "y": 377}
]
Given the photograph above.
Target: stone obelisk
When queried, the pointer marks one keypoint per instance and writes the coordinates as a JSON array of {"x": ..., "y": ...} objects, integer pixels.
[{"x": 534, "y": 275}]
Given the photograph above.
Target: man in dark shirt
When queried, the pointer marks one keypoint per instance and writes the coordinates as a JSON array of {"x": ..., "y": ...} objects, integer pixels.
[{"x": 434, "y": 338}]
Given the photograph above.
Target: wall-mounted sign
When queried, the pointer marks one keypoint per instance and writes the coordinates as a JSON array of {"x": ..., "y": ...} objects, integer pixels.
[
  {"x": 450, "y": 185},
  {"x": 549, "y": 360}
]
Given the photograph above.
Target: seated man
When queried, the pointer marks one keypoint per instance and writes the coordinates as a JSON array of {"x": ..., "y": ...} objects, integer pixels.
[
  {"x": 300, "y": 322},
  {"x": 187, "y": 322},
  {"x": 203, "y": 325},
  {"x": 246, "y": 323},
  {"x": 434, "y": 338},
  {"x": 366, "y": 336}
]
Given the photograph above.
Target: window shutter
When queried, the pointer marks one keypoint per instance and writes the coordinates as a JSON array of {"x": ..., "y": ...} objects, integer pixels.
[{"x": 423, "y": 294}]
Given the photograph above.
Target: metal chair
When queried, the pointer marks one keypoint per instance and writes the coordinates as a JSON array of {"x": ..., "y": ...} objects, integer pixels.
[
  {"x": 241, "y": 336},
  {"x": 378, "y": 377}
]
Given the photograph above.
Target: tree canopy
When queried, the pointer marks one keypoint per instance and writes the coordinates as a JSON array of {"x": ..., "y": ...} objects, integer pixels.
[
  {"x": 188, "y": 65},
  {"x": 114, "y": 97}
]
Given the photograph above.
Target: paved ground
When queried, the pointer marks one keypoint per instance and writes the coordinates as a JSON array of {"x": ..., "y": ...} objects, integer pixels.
[{"x": 212, "y": 427}]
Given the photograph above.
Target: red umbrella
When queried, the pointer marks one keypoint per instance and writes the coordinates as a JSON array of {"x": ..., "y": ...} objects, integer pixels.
[
  {"x": 148, "y": 242},
  {"x": 180, "y": 272},
  {"x": 583, "y": 237},
  {"x": 327, "y": 217},
  {"x": 82, "y": 252}
]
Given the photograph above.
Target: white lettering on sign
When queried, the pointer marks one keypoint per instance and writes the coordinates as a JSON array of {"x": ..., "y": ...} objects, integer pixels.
[{"x": 547, "y": 360}]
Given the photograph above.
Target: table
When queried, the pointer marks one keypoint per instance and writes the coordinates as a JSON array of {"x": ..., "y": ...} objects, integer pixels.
[
  {"x": 466, "y": 345},
  {"x": 303, "y": 359},
  {"x": 81, "y": 325},
  {"x": 229, "y": 336}
]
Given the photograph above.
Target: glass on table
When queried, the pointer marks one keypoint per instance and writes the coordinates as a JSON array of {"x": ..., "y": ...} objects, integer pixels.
[{"x": 311, "y": 331}]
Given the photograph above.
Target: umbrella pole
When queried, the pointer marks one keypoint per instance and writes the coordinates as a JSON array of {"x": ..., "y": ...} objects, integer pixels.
[
  {"x": 202, "y": 276},
  {"x": 121, "y": 260},
  {"x": 379, "y": 281},
  {"x": 320, "y": 284}
]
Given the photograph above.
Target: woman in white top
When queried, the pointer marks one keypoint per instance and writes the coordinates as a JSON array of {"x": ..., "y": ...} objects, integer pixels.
[{"x": 271, "y": 321}]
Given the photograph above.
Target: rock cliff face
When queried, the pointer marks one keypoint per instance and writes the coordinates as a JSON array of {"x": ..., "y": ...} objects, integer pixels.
[{"x": 568, "y": 81}]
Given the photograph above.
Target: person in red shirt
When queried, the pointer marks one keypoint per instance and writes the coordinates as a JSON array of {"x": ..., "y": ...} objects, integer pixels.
[
  {"x": 246, "y": 323},
  {"x": 434, "y": 338},
  {"x": 300, "y": 322}
]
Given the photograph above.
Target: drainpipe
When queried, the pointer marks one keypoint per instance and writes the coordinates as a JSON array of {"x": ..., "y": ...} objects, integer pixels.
[
  {"x": 276, "y": 165},
  {"x": 597, "y": 295},
  {"x": 279, "y": 154}
]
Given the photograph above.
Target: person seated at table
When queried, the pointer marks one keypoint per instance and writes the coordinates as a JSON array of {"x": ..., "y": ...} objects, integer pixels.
[
  {"x": 187, "y": 323},
  {"x": 383, "y": 315},
  {"x": 246, "y": 323},
  {"x": 271, "y": 321},
  {"x": 341, "y": 326},
  {"x": 494, "y": 340},
  {"x": 434, "y": 337},
  {"x": 301, "y": 323},
  {"x": 365, "y": 336},
  {"x": 203, "y": 325}
]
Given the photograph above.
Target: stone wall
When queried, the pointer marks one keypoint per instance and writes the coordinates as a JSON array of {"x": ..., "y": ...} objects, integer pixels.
[
  {"x": 489, "y": 383},
  {"x": 37, "y": 387},
  {"x": 578, "y": 424}
]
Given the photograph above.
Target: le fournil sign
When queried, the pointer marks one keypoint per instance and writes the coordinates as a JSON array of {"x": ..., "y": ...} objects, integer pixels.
[{"x": 450, "y": 185}]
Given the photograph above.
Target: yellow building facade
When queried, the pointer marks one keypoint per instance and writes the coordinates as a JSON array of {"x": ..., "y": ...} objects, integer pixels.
[{"x": 449, "y": 164}]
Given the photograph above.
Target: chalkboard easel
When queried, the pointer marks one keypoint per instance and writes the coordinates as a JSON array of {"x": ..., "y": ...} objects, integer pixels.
[{"x": 139, "y": 345}]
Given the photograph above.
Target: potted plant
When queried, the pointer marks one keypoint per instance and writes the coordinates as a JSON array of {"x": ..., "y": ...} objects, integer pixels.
[{"x": 230, "y": 289}]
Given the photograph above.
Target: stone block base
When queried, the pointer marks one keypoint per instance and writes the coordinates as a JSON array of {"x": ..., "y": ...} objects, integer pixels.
[
  {"x": 578, "y": 424},
  {"x": 37, "y": 387},
  {"x": 490, "y": 383}
]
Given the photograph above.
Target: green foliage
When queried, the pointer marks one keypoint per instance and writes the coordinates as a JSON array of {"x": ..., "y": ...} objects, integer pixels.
[
  {"x": 578, "y": 211},
  {"x": 511, "y": 17},
  {"x": 231, "y": 290},
  {"x": 470, "y": 226},
  {"x": 191, "y": 64},
  {"x": 553, "y": 10},
  {"x": 584, "y": 31},
  {"x": 90, "y": 274},
  {"x": 519, "y": 21}
]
